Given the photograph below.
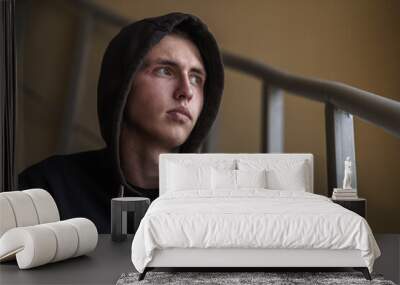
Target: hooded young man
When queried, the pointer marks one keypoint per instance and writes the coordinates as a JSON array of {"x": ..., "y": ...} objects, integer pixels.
[{"x": 159, "y": 91}]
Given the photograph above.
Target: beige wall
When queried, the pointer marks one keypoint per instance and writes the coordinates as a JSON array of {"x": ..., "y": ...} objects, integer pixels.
[{"x": 355, "y": 42}]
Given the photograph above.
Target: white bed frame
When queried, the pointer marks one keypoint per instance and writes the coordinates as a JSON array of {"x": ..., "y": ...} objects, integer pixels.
[{"x": 242, "y": 258}]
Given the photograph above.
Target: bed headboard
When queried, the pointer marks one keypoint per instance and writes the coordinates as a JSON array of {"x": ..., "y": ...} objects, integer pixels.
[{"x": 231, "y": 160}]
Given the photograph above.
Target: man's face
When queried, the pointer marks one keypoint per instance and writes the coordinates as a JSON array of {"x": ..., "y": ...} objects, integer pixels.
[{"x": 167, "y": 94}]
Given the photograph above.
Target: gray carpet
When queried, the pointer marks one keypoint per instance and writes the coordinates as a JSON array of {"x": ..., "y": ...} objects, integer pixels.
[{"x": 229, "y": 278}]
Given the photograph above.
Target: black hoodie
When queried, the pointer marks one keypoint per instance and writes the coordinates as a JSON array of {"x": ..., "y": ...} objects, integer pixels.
[{"x": 83, "y": 184}]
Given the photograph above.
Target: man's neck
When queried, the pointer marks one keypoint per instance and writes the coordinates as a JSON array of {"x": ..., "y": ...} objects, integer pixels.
[{"x": 139, "y": 159}]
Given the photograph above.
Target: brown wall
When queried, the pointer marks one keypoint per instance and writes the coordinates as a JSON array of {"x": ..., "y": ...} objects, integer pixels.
[{"x": 355, "y": 42}]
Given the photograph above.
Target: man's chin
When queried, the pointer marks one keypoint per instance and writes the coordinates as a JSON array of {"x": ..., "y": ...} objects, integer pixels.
[
  {"x": 176, "y": 141},
  {"x": 172, "y": 137},
  {"x": 173, "y": 144}
]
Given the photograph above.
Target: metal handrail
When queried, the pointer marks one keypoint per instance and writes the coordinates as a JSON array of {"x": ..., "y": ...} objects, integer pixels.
[{"x": 373, "y": 108}]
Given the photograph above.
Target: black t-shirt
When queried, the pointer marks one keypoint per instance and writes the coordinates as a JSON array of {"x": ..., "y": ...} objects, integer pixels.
[{"x": 81, "y": 184}]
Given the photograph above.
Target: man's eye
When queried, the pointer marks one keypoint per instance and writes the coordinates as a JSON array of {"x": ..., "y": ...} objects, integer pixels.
[
  {"x": 196, "y": 80},
  {"x": 163, "y": 71}
]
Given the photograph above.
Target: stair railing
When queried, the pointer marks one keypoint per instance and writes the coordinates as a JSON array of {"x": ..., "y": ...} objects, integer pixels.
[{"x": 341, "y": 103}]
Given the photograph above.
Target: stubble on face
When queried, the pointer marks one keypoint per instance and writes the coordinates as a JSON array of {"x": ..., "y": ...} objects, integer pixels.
[{"x": 167, "y": 95}]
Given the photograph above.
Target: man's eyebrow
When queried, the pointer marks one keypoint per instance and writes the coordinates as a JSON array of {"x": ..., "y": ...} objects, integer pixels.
[{"x": 172, "y": 63}]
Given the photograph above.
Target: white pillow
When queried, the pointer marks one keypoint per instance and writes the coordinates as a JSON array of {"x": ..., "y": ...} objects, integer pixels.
[
  {"x": 226, "y": 179},
  {"x": 223, "y": 179},
  {"x": 181, "y": 177},
  {"x": 251, "y": 178},
  {"x": 290, "y": 179},
  {"x": 282, "y": 174}
]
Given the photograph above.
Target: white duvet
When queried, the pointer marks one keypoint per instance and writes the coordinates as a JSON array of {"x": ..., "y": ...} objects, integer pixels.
[{"x": 251, "y": 218}]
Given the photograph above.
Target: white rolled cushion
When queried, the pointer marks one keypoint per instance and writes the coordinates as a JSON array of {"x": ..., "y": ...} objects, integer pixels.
[
  {"x": 33, "y": 246},
  {"x": 87, "y": 235},
  {"x": 223, "y": 179},
  {"x": 181, "y": 177},
  {"x": 40, "y": 244},
  {"x": 45, "y": 205},
  {"x": 7, "y": 218},
  {"x": 23, "y": 208},
  {"x": 67, "y": 239},
  {"x": 251, "y": 178}
]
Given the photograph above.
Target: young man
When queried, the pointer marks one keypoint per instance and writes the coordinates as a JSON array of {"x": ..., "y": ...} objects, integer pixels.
[{"x": 159, "y": 91}]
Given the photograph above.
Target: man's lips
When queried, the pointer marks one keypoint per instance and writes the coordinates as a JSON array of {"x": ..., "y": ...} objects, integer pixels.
[{"x": 181, "y": 110}]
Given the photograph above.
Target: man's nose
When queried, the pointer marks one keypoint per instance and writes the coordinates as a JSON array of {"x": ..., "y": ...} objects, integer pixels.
[{"x": 184, "y": 89}]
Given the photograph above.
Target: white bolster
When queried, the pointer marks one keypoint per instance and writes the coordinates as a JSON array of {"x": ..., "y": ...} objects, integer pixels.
[
  {"x": 87, "y": 234},
  {"x": 23, "y": 208},
  {"x": 45, "y": 205},
  {"x": 33, "y": 246},
  {"x": 7, "y": 218},
  {"x": 37, "y": 245},
  {"x": 67, "y": 240},
  {"x": 26, "y": 208}
]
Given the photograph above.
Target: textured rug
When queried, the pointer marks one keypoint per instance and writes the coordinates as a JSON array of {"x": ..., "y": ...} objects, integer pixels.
[{"x": 230, "y": 278}]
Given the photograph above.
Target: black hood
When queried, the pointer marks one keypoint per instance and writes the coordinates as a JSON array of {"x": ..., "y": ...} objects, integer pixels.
[{"x": 124, "y": 56}]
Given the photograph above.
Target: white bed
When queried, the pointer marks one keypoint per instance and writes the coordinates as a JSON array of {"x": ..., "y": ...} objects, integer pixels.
[{"x": 247, "y": 210}]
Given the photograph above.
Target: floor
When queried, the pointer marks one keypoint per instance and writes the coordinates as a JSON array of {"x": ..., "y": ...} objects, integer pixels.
[
  {"x": 388, "y": 263},
  {"x": 110, "y": 260}
]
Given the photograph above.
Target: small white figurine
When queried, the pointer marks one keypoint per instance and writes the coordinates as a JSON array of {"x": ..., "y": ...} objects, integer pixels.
[{"x": 347, "y": 174}]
